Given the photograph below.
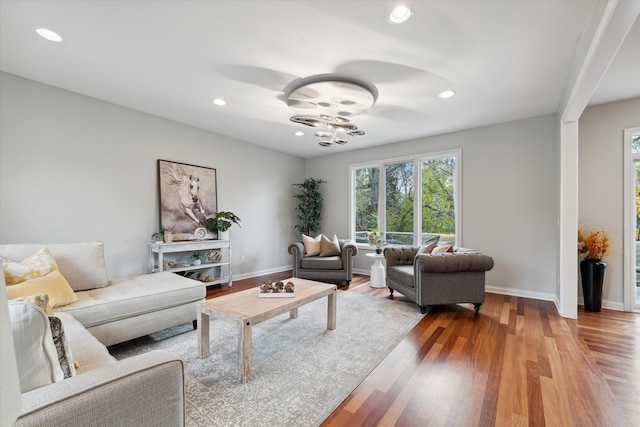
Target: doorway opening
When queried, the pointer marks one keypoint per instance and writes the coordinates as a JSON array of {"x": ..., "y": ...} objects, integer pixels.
[{"x": 632, "y": 219}]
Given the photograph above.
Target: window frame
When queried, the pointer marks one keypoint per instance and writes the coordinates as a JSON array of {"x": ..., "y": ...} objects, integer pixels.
[{"x": 417, "y": 205}]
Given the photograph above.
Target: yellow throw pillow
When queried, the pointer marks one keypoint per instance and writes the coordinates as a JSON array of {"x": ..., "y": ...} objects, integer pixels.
[
  {"x": 53, "y": 284},
  {"x": 329, "y": 247},
  {"x": 41, "y": 300},
  {"x": 311, "y": 245},
  {"x": 442, "y": 249},
  {"x": 37, "y": 265}
]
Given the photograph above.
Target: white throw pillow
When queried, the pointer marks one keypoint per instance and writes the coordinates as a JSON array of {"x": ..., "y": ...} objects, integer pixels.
[
  {"x": 311, "y": 245},
  {"x": 36, "y": 354}
]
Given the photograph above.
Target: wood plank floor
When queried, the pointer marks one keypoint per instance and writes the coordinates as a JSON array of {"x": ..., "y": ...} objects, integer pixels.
[{"x": 516, "y": 363}]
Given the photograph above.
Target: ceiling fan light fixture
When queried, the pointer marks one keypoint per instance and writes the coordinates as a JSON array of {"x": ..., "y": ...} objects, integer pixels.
[
  {"x": 400, "y": 14},
  {"x": 328, "y": 101},
  {"x": 219, "y": 102}
]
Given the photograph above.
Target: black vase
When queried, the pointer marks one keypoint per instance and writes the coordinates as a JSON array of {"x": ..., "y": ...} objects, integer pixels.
[{"x": 593, "y": 273}]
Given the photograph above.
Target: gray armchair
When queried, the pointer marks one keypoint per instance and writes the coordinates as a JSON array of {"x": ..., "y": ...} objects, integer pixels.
[
  {"x": 434, "y": 279},
  {"x": 328, "y": 269}
]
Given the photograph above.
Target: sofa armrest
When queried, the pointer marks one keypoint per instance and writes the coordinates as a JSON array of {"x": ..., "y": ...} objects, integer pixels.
[
  {"x": 296, "y": 249},
  {"x": 453, "y": 262},
  {"x": 147, "y": 389},
  {"x": 348, "y": 250},
  {"x": 400, "y": 255}
]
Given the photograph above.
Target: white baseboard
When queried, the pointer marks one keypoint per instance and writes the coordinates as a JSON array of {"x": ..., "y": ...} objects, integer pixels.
[
  {"x": 609, "y": 305},
  {"x": 261, "y": 273},
  {"x": 520, "y": 293}
]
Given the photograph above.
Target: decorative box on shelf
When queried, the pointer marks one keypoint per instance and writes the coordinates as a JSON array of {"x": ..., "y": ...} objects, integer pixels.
[{"x": 215, "y": 267}]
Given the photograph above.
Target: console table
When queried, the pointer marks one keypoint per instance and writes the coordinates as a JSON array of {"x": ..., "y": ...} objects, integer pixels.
[{"x": 159, "y": 252}]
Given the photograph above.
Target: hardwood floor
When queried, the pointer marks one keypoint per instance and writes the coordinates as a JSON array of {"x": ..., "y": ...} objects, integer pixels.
[{"x": 515, "y": 363}]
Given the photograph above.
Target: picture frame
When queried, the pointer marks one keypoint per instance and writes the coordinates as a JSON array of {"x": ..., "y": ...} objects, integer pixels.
[{"x": 187, "y": 195}]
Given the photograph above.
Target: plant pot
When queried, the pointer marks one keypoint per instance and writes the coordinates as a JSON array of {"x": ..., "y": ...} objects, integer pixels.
[
  {"x": 593, "y": 272},
  {"x": 378, "y": 251},
  {"x": 196, "y": 262},
  {"x": 168, "y": 236},
  {"x": 223, "y": 235}
]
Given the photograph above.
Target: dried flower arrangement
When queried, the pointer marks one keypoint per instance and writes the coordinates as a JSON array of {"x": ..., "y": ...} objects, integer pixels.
[{"x": 593, "y": 243}]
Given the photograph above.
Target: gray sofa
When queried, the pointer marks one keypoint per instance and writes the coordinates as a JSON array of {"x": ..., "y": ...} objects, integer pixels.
[
  {"x": 143, "y": 390},
  {"x": 433, "y": 279},
  {"x": 327, "y": 269}
]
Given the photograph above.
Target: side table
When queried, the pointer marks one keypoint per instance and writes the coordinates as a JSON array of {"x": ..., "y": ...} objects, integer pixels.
[{"x": 377, "y": 279}]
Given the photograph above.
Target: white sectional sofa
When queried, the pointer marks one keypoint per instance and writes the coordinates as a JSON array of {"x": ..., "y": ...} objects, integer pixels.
[
  {"x": 122, "y": 309},
  {"x": 143, "y": 390}
]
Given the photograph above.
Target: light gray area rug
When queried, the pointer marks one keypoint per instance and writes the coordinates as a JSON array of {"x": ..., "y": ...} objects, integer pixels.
[{"x": 301, "y": 371}]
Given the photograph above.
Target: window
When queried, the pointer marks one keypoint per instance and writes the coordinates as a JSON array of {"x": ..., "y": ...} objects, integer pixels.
[{"x": 383, "y": 198}]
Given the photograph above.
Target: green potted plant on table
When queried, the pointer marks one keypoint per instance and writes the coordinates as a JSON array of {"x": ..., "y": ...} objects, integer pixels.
[
  {"x": 163, "y": 235},
  {"x": 221, "y": 222}
]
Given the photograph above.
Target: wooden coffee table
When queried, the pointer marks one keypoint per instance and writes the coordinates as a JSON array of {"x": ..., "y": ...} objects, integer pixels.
[{"x": 246, "y": 309}]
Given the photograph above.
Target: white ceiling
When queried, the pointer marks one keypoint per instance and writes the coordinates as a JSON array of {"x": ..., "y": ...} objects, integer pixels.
[{"x": 507, "y": 60}]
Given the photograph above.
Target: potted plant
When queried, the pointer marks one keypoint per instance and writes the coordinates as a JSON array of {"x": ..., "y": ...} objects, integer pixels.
[
  {"x": 197, "y": 258},
  {"x": 592, "y": 246},
  {"x": 309, "y": 206},
  {"x": 163, "y": 235},
  {"x": 376, "y": 239},
  {"x": 221, "y": 222},
  {"x": 158, "y": 235}
]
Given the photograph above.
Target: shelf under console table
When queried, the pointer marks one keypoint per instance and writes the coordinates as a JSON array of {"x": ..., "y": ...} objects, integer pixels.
[{"x": 181, "y": 252}]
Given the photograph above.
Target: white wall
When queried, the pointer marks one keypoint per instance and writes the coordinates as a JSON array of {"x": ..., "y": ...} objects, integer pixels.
[
  {"x": 600, "y": 181},
  {"x": 73, "y": 168},
  {"x": 509, "y": 197}
]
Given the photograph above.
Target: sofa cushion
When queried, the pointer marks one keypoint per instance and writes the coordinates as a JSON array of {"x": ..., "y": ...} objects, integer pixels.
[
  {"x": 329, "y": 247},
  {"x": 311, "y": 245},
  {"x": 402, "y": 274},
  {"x": 53, "y": 284},
  {"x": 41, "y": 300},
  {"x": 82, "y": 264},
  {"x": 36, "y": 265},
  {"x": 124, "y": 298},
  {"x": 442, "y": 249},
  {"x": 36, "y": 354},
  {"x": 322, "y": 263},
  {"x": 87, "y": 351}
]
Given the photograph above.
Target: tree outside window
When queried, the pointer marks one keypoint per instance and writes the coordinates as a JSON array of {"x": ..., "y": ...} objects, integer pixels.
[{"x": 387, "y": 201}]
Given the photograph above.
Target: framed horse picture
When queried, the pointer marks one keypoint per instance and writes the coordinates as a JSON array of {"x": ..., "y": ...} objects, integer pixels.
[{"x": 188, "y": 195}]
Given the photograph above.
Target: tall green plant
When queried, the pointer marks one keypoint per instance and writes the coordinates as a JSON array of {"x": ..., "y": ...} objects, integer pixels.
[{"x": 309, "y": 205}]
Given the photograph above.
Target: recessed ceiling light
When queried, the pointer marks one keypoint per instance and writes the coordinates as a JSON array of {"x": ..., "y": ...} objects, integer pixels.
[
  {"x": 219, "y": 101},
  {"x": 299, "y": 133},
  {"x": 49, "y": 34},
  {"x": 400, "y": 14},
  {"x": 446, "y": 94}
]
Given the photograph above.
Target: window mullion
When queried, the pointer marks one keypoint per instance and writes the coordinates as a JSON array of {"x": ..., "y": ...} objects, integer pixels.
[
  {"x": 382, "y": 200},
  {"x": 417, "y": 202}
]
